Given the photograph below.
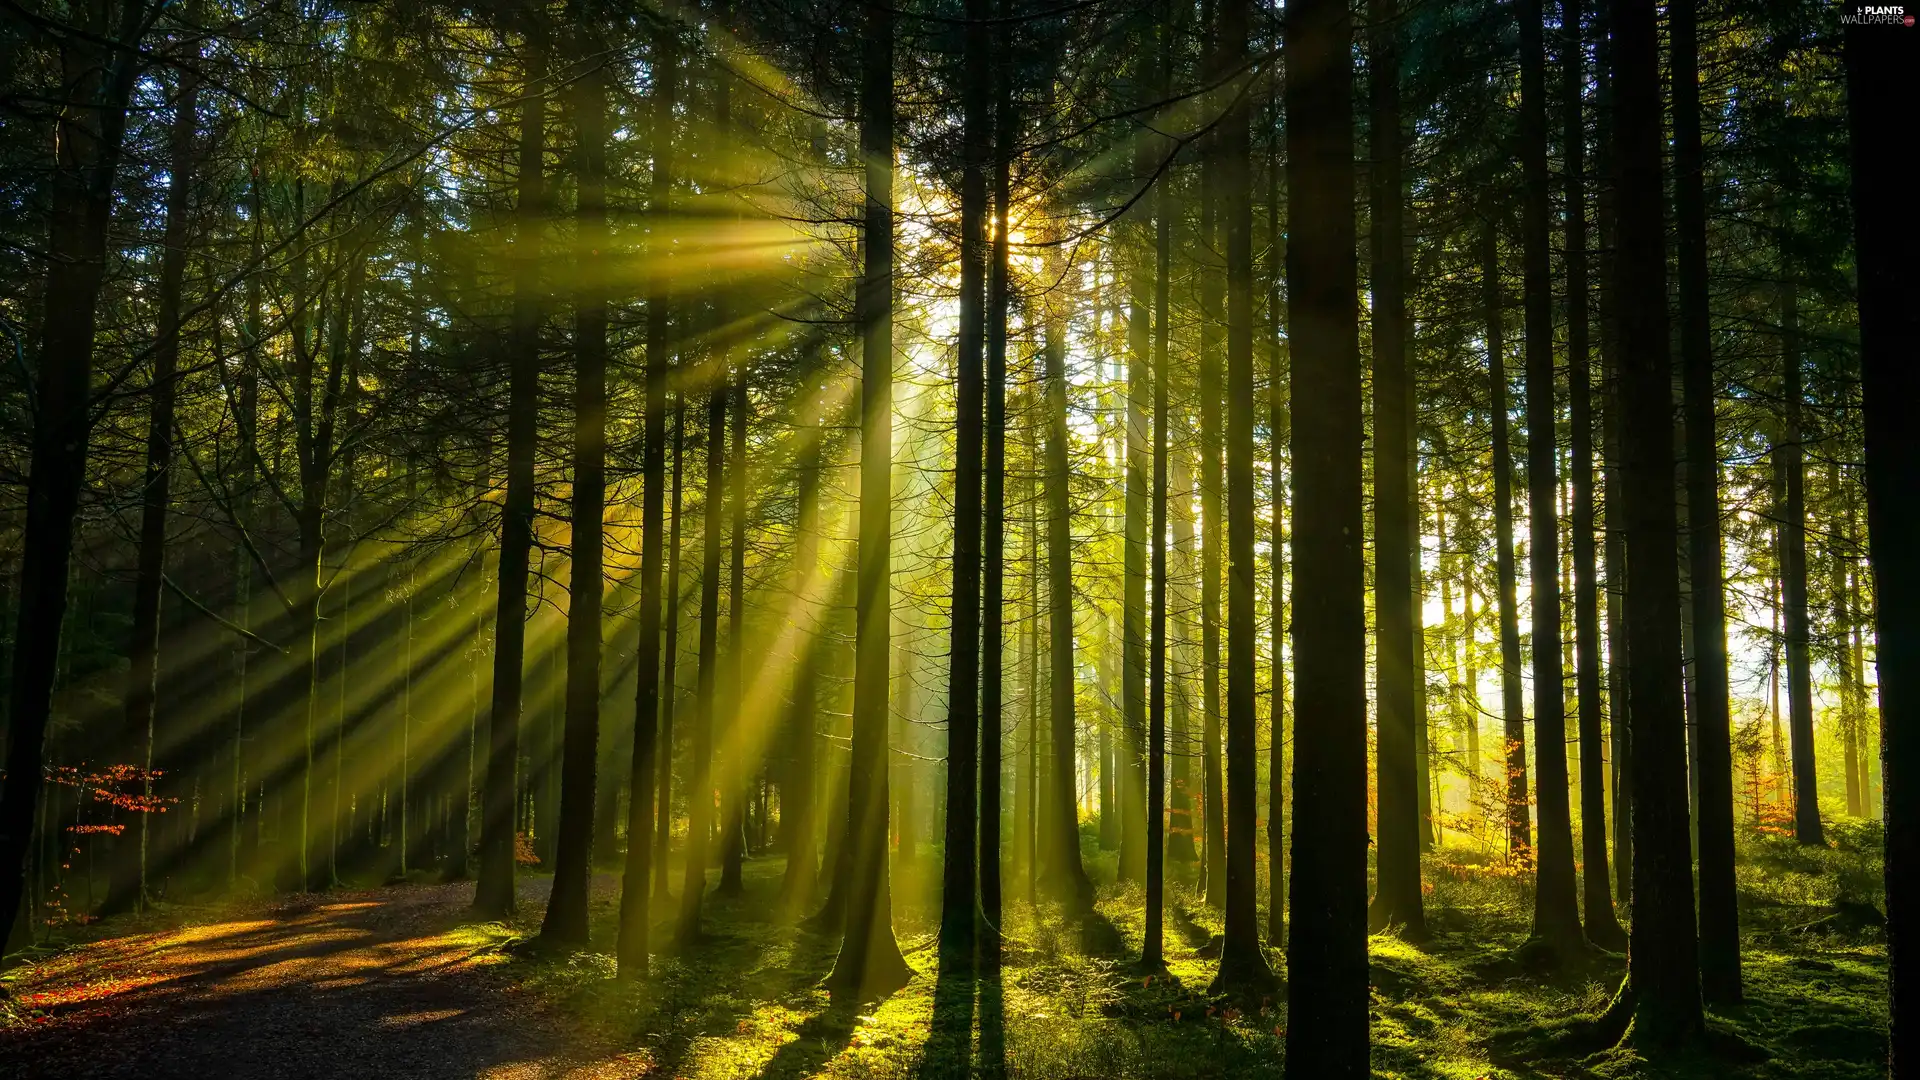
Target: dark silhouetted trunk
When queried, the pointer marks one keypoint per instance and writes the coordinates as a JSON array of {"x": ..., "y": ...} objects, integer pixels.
[
  {"x": 129, "y": 888},
  {"x": 1514, "y": 753},
  {"x": 993, "y": 541},
  {"x": 1881, "y": 85},
  {"x": 1180, "y": 822},
  {"x": 870, "y": 963},
  {"x": 1397, "y": 899},
  {"x": 1152, "y": 950},
  {"x": 1793, "y": 575},
  {"x": 1212, "y": 318},
  {"x": 494, "y": 895},
  {"x": 1129, "y": 783},
  {"x": 960, "y": 873},
  {"x": 744, "y": 764},
  {"x": 1619, "y": 703},
  {"x": 1556, "y": 907},
  {"x": 706, "y": 687},
  {"x": 1713, "y": 773},
  {"x": 1661, "y": 995},
  {"x": 565, "y": 922},
  {"x": 1279, "y": 418},
  {"x": 1327, "y": 1028},
  {"x": 1243, "y": 966},
  {"x": 667, "y": 694},
  {"x": 1602, "y": 927},
  {"x": 1065, "y": 877}
]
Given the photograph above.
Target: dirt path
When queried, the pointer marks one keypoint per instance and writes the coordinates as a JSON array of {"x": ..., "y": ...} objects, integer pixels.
[{"x": 379, "y": 983}]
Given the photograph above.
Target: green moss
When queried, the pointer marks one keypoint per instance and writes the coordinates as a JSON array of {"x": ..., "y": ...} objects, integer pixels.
[{"x": 1067, "y": 1002}]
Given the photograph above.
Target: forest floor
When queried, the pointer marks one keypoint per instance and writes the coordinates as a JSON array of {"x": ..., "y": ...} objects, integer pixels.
[
  {"x": 400, "y": 982},
  {"x": 387, "y": 982}
]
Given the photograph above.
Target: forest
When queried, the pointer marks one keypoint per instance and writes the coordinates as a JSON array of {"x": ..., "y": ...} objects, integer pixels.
[{"x": 1003, "y": 538}]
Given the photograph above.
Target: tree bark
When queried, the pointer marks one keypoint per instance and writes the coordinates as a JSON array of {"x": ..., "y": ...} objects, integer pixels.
[
  {"x": 1556, "y": 909},
  {"x": 668, "y": 693},
  {"x": 1212, "y": 318},
  {"x": 1514, "y": 752},
  {"x": 1881, "y": 83},
  {"x": 700, "y": 810},
  {"x": 993, "y": 541},
  {"x": 1152, "y": 949},
  {"x": 1619, "y": 705},
  {"x": 959, "y": 896},
  {"x": 870, "y": 963},
  {"x": 1397, "y": 899},
  {"x": 1602, "y": 927},
  {"x": 1279, "y": 419},
  {"x": 129, "y": 889},
  {"x": 744, "y": 757},
  {"x": 1793, "y": 576},
  {"x": 565, "y": 922},
  {"x": 1243, "y": 966},
  {"x": 1327, "y": 1028},
  {"x": 1661, "y": 994},
  {"x": 1713, "y": 774},
  {"x": 494, "y": 892},
  {"x": 1066, "y": 878}
]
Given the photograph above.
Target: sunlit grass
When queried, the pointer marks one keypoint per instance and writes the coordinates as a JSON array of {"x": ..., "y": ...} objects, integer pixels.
[{"x": 1068, "y": 1001}]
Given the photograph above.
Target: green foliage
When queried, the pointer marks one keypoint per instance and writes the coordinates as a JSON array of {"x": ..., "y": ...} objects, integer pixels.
[{"x": 1067, "y": 1002}]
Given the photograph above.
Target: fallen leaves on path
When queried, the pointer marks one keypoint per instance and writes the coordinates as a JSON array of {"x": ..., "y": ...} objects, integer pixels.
[{"x": 383, "y": 983}]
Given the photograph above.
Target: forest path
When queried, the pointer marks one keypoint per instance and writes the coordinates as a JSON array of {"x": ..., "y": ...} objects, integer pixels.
[{"x": 349, "y": 984}]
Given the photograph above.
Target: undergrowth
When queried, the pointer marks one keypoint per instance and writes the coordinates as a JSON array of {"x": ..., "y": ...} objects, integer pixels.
[{"x": 1067, "y": 1000}]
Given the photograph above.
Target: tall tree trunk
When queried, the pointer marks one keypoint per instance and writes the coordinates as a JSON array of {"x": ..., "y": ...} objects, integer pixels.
[
  {"x": 494, "y": 894},
  {"x": 1137, "y": 462},
  {"x": 565, "y": 922},
  {"x": 1152, "y": 949},
  {"x": 1470, "y": 646},
  {"x": 1880, "y": 85},
  {"x": 700, "y": 810},
  {"x": 1619, "y": 703},
  {"x": 1793, "y": 576},
  {"x": 1514, "y": 752},
  {"x": 1327, "y": 1029},
  {"x": 960, "y": 871},
  {"x": 993, "y": 542},
  {"x": 1602, "y": 927},
  {"x": 1031, "y": 769},
  {"x": 1397, "y": 900},
  {"x": 1243, "y": 966},
  {"x": 870, "y": 962},
  {"x": 1212, "y": 318},
  {"x": 99, "y": 69},
  {"x": 1843, "y": 619},
  {"x": 1181, "y": 847},
  {"x": 1109, "y": 809},
  {"x": 1065, "y": 878},
  {"x": 668, "y": 692},
  {"x": 1279, "y": 417},
  {"x": 1556, "y": 908},
  {"x": 744, "y": 757},
  {"x": 1713, "y": 774},
  {"x": 1661, "y": 995},
  {"x": 321, "y": 452},
  {"x": 129, "y": 889}
]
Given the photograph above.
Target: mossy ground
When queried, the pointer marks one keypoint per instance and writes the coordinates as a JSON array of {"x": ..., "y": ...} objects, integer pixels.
[{"x": 1066, "y": 1000}]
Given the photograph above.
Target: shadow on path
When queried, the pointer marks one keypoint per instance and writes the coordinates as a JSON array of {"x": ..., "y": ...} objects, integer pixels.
[{"x": 359, "y": 984}]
